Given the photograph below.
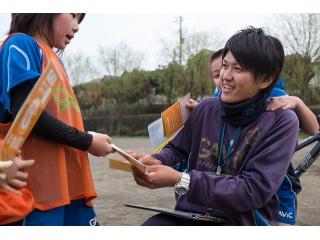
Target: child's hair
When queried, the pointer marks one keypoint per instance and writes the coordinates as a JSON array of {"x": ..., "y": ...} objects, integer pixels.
[
  {"x": 214, "y": 56},
  {"x": 30, "y": 23},
  {"x": 256, "y": 52}
]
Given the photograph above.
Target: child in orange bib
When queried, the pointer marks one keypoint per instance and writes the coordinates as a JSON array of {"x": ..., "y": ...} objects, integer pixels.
[{"x": 60, "y": 179}]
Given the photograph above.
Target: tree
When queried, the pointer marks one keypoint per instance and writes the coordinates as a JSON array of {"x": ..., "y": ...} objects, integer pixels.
[
  {"x": 193, "y": 43},
  {"x": 197, "y": 41},
  {"x": 89, "y": 96},
  {"x": 298, "y": 71},
  {"x": 113, "y": 91},
  {"x": 172, "y": 81},
  {"x": 80, "y": 68},
  {"x": 118, "y": 59},
  {"x": 300, "y": 35},
  {"x": 137, "y": 86},
  {"x": 199, "y": 80}
]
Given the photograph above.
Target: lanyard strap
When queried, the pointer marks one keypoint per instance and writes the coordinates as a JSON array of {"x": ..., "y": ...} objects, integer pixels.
[{"x": 222, "y": 163}]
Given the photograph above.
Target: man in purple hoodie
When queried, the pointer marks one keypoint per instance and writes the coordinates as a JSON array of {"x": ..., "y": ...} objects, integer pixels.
[{"x": 237, "y": 153}]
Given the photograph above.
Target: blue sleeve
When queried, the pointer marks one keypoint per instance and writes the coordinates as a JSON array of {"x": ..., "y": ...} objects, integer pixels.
[
  {"x": 21, "y": 59},
  {"x": 217, "y": 92},
  {"x": 279, "y": 89},
  {"x": 277, "y": 92}
]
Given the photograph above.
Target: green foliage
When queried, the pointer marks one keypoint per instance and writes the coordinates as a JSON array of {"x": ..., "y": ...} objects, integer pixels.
[
  {"x": 136, "y": 86},
  {"x": 89, "y": 95},
  {"x": 139, "y": 92},
  {"x": 199, "y": 81},
  {"x": 172, "y": 81},
  {"x": 298, "y": 71}
]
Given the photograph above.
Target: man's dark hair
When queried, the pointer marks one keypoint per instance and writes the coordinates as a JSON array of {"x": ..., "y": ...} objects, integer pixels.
[
  {"x": 258, "y": 53},
  {"x": 30, "y": 23}
]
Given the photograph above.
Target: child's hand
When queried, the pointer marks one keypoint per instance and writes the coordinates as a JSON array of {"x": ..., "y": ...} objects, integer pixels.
[
  {"x": 146, "y": 159},
  {"x": 285, "y": 102},
  {"x": 100, "y": 145},
  {"x": 5, "y": 164},
  {"x": 14, "y": 176},
  {"x": 192, "y": 104}
]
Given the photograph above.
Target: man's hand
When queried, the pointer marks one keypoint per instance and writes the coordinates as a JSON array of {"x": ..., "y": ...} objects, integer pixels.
[
  {"x": 146, "y": 159},
  {"x": 157, "y": 176}
]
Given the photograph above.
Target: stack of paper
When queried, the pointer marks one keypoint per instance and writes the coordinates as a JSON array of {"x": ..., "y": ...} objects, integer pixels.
[
  {"x": 172, "y": 120},
  {"x": 160, "y": 132}
]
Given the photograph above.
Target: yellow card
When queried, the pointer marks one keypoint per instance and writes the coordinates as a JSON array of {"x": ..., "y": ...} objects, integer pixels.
[
  {"x": 120, "y": 165},
  {"x": 132, "y": 160}
]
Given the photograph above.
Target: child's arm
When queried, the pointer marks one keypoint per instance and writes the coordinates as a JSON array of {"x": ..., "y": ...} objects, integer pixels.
[
  {"x": 308, "y": 120},
  {"x": 192, "y": 104},
  {"x": 55, "y": 130}
]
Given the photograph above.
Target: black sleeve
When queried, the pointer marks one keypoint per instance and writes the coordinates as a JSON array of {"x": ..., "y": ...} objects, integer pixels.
[{"x": 47, "y": 125}]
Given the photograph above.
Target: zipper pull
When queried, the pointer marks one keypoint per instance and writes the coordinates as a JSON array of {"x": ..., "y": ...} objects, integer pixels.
[{"x": 219, "y": 170}]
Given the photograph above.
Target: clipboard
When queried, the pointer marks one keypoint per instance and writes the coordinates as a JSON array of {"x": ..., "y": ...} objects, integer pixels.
[
  {"x": 181, "y": 214},
  {"x": 132, "y": 160}
]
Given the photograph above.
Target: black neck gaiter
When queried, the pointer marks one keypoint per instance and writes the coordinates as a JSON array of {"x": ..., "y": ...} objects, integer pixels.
[{"x": 245, "y": 112}]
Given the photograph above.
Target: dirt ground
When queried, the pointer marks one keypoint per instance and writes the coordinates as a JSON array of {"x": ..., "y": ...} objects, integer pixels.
[{"x": 115, "y": 188}]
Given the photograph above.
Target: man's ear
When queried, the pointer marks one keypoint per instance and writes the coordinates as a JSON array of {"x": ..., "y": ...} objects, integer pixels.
[{"x": 264, "y": 83}]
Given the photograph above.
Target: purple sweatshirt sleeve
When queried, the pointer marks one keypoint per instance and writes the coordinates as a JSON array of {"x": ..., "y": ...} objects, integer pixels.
[{"x": 260, "y": 176}]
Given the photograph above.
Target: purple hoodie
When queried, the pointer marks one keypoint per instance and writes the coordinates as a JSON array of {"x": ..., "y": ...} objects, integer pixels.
[{"x": 257, "y": 168}]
